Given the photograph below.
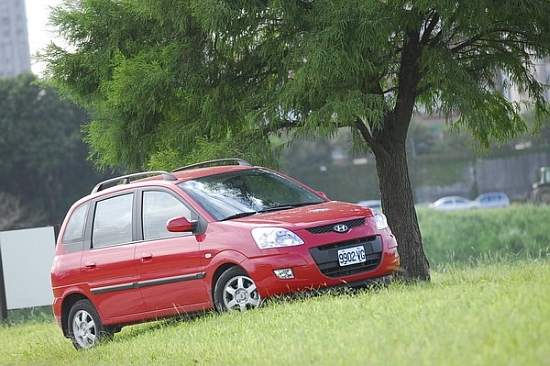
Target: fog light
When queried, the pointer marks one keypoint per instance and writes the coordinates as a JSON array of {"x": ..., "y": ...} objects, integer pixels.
[{"x": 284, "y": 274}]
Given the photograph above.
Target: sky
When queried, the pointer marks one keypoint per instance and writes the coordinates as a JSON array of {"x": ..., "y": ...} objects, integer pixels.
[{"x": 39, "y": 35}]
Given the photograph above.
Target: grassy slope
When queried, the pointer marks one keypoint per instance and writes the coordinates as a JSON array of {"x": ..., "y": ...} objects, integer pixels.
[{"x": 491, "y": 314}]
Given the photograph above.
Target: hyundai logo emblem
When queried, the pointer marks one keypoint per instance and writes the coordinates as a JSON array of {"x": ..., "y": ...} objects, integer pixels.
[{"x": 340, "y": 228}]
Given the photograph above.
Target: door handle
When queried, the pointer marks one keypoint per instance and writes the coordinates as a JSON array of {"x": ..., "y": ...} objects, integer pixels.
[
  {"x": 146, "y": 257},
  {"x": 90, "y": 265}
]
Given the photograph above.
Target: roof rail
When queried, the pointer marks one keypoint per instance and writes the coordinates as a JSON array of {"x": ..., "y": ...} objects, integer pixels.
[
  {"x": 213, "y": 163},
  {"x": 127, "y": 179}
]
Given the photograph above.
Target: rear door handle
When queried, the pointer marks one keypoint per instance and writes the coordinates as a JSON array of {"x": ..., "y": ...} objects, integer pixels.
[{"x": 146, "y": 257}]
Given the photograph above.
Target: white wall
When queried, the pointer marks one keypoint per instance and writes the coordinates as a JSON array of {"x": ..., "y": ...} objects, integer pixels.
[{"x": 27, "y": 257}]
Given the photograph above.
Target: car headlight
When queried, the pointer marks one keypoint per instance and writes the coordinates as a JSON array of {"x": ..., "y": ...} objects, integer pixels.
[
  {"x": 380, "y": 218},
  {"x": 274, "y": 237}
]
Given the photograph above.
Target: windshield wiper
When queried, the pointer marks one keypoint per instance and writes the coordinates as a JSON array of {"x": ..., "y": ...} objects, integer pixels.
[
  {"x": 239, "y": 215},
  {"x": 287, "y": 207},
  {"x": 269, "y": 209}
]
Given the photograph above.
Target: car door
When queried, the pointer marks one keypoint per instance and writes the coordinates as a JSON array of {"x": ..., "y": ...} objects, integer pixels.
[
  {"x": 108, "y": 266},
  {"x": 168, "y": 264}
]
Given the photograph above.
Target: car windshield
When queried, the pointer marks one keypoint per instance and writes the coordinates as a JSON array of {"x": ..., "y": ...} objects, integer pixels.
[{"x": 238, "y": 194}]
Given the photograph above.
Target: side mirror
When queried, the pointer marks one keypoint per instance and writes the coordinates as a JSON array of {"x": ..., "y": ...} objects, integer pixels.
[{"x": 180, "y": 225}]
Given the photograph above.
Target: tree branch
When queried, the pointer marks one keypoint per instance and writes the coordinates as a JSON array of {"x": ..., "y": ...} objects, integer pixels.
[{"x": 429, "y": 29}]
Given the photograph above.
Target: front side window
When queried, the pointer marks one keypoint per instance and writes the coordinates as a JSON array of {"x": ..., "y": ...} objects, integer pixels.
[
  {"x": 248, "y": 192},
  {"x": 113, "y": 221},
  {"x": 158, "y": 208}
]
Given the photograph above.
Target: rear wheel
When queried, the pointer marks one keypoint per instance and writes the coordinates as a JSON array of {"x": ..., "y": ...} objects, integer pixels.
[
  {"x": 235, "y": 291},
  {"x": 85, "y": 327}
]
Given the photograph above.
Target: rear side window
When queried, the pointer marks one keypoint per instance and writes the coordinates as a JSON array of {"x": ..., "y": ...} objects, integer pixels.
[
  {"x": 113, "y": 221},
  {"x": 158, "y": 208},
  {"x": 74, "y": 231}
]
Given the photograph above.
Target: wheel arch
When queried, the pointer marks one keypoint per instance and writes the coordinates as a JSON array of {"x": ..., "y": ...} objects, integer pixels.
[
  {"x": 68, "y": 303},
  {"x": 218, "y": 272}
]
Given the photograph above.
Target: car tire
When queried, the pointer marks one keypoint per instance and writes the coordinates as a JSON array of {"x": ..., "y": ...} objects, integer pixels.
[
  {"x": 85, "y": 327},
  {"x": 235, "y": 291}
]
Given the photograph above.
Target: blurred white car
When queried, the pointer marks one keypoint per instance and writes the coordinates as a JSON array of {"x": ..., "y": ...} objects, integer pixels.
[
  {"x": 493, "y": 199},
  {"x": 454, "y": 203}
]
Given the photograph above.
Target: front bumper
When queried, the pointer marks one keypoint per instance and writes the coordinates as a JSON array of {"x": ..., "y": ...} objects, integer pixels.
[{"x": 309, "y": 275}]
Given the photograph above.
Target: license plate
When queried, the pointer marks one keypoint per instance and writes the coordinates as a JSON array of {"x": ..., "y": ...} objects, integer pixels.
[{"x": 350, "y": 256}]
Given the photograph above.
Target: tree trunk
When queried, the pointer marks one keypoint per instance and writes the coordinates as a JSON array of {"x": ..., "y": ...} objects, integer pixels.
[{"x": 398, "y": 205}]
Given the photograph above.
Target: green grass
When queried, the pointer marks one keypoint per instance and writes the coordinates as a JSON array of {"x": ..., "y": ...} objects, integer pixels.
[
  {"x": 37, "y": 314},
  {"x": 494, "y": 313},
  {"x": 515, "y": 232},
  {"x": 488, "y": 303}
]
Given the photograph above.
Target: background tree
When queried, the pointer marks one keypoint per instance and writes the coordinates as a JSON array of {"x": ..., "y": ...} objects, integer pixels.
[
  {"x": 541, "y": 137},
  {"x": 171, "y": 77},
  {"x": 42, "y": 156},
  {"x": 11, "y": 209},
  {"x": 421, "y": 140}
]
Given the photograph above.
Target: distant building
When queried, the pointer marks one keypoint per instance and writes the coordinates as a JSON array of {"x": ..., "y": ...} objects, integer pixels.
[
  {"x": 14, "y": 40},
  {"x": 505, "y": 85}
]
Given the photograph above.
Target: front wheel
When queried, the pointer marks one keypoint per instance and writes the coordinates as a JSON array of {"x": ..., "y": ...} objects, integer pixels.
[
  {"x": 235, "y": 291},
  {"x": 85, "y": 327}
]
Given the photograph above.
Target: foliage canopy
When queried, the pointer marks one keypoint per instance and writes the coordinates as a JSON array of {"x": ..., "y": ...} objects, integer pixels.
[{"x": 172, "y": 80}]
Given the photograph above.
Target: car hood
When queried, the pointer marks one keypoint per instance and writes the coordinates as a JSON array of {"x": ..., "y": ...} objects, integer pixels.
[{"x": 319, "y": 214}]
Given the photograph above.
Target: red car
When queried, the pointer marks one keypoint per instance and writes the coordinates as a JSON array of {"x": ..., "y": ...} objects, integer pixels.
[{"x": 207, "y": 236}]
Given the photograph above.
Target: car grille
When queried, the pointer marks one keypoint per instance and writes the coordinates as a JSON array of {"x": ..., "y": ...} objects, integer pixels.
[
  {"x": 326, "y": 257},
  {"x": 329, "y": 228}
]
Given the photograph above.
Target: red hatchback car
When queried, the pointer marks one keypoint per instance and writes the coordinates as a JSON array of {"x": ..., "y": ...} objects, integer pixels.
[{"x": 206, "y": 236}]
